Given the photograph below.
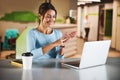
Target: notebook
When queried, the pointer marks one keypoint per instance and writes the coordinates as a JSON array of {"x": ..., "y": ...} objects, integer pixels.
[
  {"x": 17, "y": 63},
  {"x": 94, "y": 53}
]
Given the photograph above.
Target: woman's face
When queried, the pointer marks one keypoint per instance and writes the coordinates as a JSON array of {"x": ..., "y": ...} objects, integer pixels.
[{"x": 49, "y": 18}]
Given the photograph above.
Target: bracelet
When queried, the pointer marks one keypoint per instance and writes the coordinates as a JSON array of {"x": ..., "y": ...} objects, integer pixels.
[
  {"x": 62, "y": 55},
  {"x": 62, "y": 46}
]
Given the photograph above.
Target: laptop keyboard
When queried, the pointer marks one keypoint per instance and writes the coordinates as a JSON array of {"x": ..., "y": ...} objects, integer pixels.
[{"x": 74, "y": 63}]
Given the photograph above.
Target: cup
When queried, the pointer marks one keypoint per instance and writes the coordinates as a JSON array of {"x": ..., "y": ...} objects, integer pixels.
[
  {"x": 27, "y": 75},
  {"x": 27, "y": 60}
]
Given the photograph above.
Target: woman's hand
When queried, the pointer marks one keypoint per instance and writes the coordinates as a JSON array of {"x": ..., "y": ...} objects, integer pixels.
[
  {"x": 64, "y": 39},
  {"x": 67, "y": 36},
  {"x": 58, "y": 42}
]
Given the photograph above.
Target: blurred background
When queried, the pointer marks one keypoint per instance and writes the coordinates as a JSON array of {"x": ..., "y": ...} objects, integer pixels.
[{"x": 92, "y": 20}]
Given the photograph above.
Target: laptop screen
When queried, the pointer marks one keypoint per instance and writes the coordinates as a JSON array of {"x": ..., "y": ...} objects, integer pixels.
[{"x": 94, "y": 53}]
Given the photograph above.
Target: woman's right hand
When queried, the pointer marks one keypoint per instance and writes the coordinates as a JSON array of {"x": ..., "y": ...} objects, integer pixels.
[{"x": 67, "y": 36}]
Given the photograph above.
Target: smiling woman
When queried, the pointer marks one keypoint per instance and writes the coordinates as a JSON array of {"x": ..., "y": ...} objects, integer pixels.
[{"x": 45, "y": 42}]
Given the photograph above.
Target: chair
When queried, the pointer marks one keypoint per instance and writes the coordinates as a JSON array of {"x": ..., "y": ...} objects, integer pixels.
[
  {"x": 12, "y": 43},
  {"x": 21, "y": 42},
  {"x": 10, "y": 36}
]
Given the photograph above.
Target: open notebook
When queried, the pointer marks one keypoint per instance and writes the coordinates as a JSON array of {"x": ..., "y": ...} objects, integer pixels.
[{"x": 94, "y": 53}]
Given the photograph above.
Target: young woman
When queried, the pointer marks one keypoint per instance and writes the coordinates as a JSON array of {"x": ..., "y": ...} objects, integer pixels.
[{"x": 44, "y": 41}]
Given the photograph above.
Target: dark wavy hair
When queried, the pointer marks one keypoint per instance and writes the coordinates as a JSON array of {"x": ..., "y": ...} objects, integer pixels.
[{"x": 44, "y": 7}]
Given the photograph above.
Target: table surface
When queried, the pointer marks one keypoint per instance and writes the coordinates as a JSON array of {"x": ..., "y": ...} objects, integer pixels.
[{"x": 52, "y": 69}]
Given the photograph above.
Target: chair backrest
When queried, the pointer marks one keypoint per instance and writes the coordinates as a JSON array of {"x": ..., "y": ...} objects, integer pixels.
[{"x": 21, "y": 42}]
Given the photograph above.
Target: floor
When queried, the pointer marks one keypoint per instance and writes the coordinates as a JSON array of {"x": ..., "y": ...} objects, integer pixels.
[{"x": 80, "y": 43}]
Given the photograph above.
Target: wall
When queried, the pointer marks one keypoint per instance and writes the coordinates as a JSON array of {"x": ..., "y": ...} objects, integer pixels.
[
  {"x": 118, "y": 30},
  {"x": 73, "y": 4},
  {"x": 62, "y": 6},
  {"x": 116, "y": 26},
  {"x": 79, "y": 30},
  {"x": 92, "y": 12},
  {"x": 7, "y": 6}
]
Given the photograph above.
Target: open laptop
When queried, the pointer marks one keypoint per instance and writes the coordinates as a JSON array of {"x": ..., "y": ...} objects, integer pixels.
[{"x": 94, "y": 53}]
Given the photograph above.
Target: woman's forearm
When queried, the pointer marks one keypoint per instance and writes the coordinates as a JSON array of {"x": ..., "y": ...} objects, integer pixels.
[
  {"x": 45, "y": 49},
  {"x": 51, "y": 45}
]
